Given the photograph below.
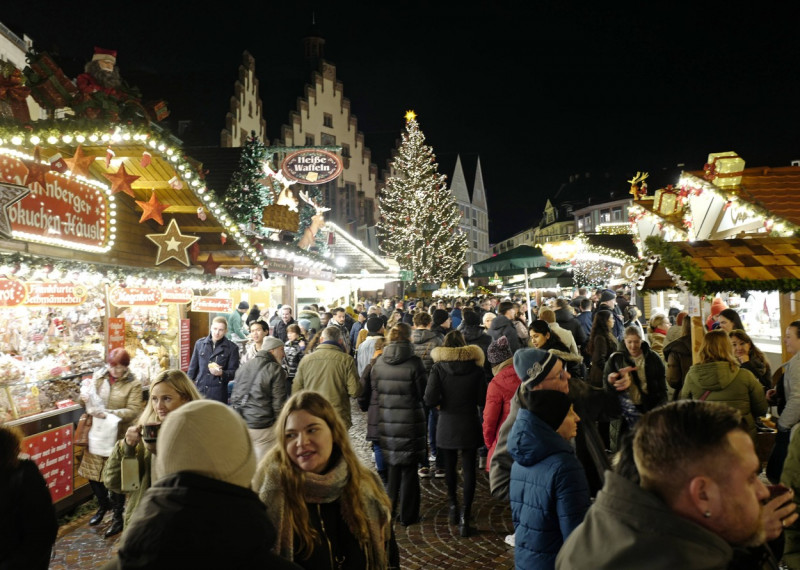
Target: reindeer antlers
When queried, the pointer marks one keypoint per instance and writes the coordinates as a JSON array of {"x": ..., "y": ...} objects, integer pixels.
[
  {"x": 640, "y": 177},
  {"x": 304, "y": 195}
]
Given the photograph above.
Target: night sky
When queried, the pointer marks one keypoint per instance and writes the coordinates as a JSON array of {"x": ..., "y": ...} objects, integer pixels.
[{"x": 538, "y": 92}]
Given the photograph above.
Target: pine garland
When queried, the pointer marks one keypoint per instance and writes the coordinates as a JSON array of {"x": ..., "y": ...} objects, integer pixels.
[{"x": 419, "y": 219}]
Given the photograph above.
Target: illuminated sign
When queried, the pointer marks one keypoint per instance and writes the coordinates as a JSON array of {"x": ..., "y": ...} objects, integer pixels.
[
  {"x": 559, "y": 251},
  {"x": 311, "y": 166}
]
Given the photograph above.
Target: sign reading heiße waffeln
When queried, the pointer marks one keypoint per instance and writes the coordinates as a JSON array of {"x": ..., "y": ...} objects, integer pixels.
[{"x": 312, "y": 166}]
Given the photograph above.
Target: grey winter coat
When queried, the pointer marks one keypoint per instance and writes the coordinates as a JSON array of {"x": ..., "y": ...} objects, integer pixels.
[
  {"x": 425, "y": 341},
  {"x": 260, "y": 390}
]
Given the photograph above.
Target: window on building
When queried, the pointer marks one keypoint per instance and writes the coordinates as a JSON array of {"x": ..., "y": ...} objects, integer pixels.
[
  {"x": 605, "y": 216},
  {"x": 327, "y": 140},
  {"x": 309, "y": 140},
  {"x": 327, "y": 120},
  {"x": 580, "y": 224},
  {"x": 474, "y": 222},
  {"x": 475, "y": 244},
  {"x": 345, "y": 150},
  {"x": 616, "y": 214}
]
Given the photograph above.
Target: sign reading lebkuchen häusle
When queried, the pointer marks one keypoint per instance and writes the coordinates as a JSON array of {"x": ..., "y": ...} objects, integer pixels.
[
  {"x": 312, "y": 166},
  {"x": 59, "y": 210}
]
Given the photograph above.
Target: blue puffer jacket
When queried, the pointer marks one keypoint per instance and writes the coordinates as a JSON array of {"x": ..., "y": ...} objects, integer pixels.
[{"x": 548, "y": 491}]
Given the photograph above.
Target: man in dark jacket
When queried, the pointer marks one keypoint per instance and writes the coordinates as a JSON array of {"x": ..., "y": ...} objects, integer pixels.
[
  {"x": 206, "y": 461},
  {"x": 215, "y": 360},
  {"x": 280, "y": 326},
  {"x": 608, "y": 302},
  {"x": 474, "y": 334},
  {"x": 260, "y": 392},
  {"x": 585, "y": 316},
  {"x": 441, "y": 322},
  {"x": 566, "y": 319},
  {"x": 503, "y": 325},
  {"x": 424, "y": 340}
]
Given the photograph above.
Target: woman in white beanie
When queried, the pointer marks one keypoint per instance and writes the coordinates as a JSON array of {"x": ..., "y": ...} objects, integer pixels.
[
  {"x": 201, "y": 513},
  {"x": 329, "y": 509},
  {"x": 169, "y": 391}
]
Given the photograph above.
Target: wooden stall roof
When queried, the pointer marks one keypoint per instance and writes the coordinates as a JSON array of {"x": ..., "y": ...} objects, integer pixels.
[{"x": 756, "y": 263}]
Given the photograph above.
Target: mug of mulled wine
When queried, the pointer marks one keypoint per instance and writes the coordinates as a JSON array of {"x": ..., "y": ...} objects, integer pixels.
[{"x": 150, "y": 432}]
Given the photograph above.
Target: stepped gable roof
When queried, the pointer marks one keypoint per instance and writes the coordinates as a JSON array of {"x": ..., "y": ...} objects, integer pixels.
[{"x": 775, "y": 189}]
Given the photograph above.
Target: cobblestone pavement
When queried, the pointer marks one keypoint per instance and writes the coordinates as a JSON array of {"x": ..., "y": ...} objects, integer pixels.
[{"x": 433, "y": 543}]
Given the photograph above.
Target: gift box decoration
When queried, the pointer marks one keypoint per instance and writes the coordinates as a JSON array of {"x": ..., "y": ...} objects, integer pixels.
[
  {"x": 49, "y": 86},
  {"x": 158, "y": 111},
  {"x": 13, "y": 93},
  {"x": 724, "y": 168},
  {"x": 666, "y": 201}
]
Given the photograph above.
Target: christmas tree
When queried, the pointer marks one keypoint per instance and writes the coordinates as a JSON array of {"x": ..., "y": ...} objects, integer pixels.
[
  {"x": 246, "y": 195},
  {"x": 419, "y": 219}
]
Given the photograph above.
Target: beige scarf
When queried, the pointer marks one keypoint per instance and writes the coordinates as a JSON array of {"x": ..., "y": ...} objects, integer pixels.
[{"x": 325, "y": 488}]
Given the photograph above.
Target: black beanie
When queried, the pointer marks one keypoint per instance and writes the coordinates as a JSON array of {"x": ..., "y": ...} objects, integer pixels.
[
  {"x": 550, "y": 406},
  {"x": 439, "y": 317},
  {"x": 471, "y": 319}
]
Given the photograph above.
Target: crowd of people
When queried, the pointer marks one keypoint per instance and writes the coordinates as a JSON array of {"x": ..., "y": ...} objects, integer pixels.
[{"x": 610, "y": 444}]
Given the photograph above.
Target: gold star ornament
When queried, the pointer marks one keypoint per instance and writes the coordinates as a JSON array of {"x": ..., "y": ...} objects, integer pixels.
[
  {"x": 79, "y": 163},
  {"x": 410, "y": 115},
  {"x": 172, "y": 244}
]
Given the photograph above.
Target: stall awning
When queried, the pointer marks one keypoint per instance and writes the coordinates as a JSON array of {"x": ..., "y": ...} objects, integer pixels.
[
  {"x": 712, "y": 266},
  {"x": 511, "y": 262}
]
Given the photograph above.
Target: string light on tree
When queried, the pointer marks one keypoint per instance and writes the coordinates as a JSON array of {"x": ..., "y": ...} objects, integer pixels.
[{"x": 419, "y": 219}]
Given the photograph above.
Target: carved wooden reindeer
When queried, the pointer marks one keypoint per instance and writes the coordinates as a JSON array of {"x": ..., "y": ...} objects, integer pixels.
[
  {"x": 283, "y": 198},
  {"x": 317, "y": 221},
  {"x": 634, "y": 182}
]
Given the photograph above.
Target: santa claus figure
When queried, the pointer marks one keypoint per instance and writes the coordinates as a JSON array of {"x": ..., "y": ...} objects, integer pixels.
[{"x": 101, "y": 84}]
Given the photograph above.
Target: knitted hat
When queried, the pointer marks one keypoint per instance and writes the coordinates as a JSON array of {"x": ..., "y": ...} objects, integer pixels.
[
  {"x": 244, "y": 305},
  {"x": 717, "y": 306},
  {"x": 607, "y": 295},
  {"x": 471, "y": 319},
  {"x": 208, "y": 438},
  {"x": 439, "y": 317},
  {"x": 374, "y": 324},
  {"x": 550, "y": 406},
  {"x": 499, "y": 351},
  {"x": 270, "y": 343},
  {"x": 533, "y": 365},
  {"x": 304, "y": 324}
]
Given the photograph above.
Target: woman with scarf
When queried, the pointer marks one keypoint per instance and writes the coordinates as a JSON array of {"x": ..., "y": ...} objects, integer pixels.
[
  {"x": 329, "y": 509},
  {"x": 121, "y": 395}
]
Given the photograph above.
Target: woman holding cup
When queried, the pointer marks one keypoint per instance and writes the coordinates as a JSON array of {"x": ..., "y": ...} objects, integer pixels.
[{"x": 168, "y": 391}]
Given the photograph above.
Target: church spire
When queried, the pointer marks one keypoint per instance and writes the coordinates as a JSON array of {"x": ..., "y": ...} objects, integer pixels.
[{"x": 313, "y": 44}]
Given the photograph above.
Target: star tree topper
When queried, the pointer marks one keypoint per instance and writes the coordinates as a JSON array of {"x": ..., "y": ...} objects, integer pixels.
[
  {"x": 172, "y": 244},
  {"x": 152, "y": 209}
]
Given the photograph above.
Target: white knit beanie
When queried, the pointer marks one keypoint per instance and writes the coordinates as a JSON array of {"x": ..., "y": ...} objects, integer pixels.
[{"x": 209, "y": 438}]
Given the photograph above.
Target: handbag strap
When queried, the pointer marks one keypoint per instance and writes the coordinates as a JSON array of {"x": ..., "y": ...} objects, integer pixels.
[{"x": 705, "y": 395}]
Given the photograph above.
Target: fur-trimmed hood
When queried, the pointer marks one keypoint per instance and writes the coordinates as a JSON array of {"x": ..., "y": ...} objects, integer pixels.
[
  {"x": 566, "y": 356},
  {"x": 458, "y": 354}
]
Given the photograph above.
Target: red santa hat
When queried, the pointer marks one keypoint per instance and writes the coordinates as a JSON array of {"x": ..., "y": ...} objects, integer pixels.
[{"x": 101, "y": 54}]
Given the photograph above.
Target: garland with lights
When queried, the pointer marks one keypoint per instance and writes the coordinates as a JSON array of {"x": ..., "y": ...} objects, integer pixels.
[
  {"x": 419, "y": 221},
  {"x": 82, "y": 131}
]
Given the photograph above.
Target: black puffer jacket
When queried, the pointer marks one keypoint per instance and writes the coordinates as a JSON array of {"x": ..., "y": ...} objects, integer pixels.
[
  {"x": 502, "y": 326},
  {"x": 398, "y": 376},
  {"x": 456, "y": 384}
]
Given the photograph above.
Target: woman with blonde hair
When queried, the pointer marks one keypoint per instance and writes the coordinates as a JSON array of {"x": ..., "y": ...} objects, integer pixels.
[
  {"x": 719, "y": 378},
  {"x": 168, "y": 391},
  {"x": 329, "y": 509}
]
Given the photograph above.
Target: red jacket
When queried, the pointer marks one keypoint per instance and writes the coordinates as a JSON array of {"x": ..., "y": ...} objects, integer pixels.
[{"x": 498, "y": 403}]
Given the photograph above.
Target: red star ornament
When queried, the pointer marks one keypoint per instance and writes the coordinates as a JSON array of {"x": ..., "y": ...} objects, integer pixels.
[
  {"x": 79, "y": 163},
  {"x": 36, "y": 170},
  {"x": 152, "y": 210},
  {"x": 210, "y": 266},
  {"x": 121, "y": 181},
  {"x": 172, "y": 244}
]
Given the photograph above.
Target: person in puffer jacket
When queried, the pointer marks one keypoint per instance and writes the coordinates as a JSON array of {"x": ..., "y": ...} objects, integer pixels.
[{"x": 548, "y": 488}]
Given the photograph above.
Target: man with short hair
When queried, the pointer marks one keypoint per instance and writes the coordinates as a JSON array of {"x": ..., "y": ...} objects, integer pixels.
[
  {"x": 214, "y": 362},
  {"x": 503, "y": 325},
  {"x": 565, "y": 318},
  {"x": 424, "y": 341},
  {"x": 258, "y": 331},
  {"x": 259, "y": 393},
  {"x": 585, "y": 316},
  {"x": 338, "y": 320},
  {"x": 608, "y": 301},
  {"x": 286, "y": 320},
  {"x": 234, "y": 320},
  {"x": 330, "y": 371},
  {"x": 698, "y": 499},
  {"x": 356, "y": 328}
]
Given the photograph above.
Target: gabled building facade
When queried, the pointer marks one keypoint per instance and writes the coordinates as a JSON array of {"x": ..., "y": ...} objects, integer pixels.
[
  {"x": 246, "y": 114},
  {"x": 558, "y": 223}
]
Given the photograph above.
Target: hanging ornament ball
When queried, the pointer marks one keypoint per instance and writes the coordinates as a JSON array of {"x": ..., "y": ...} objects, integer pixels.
[
  {"x": 48, "y": 268},
  {"x": 178, "y": 281},
  {"x": 122, "y": 284}
]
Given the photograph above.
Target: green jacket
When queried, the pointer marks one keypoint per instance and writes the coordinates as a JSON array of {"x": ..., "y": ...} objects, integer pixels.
[
  {"x": 112, "y": 473},
  {"x": 331, "y": 372},
  {"x": 737, "y": 388}
]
